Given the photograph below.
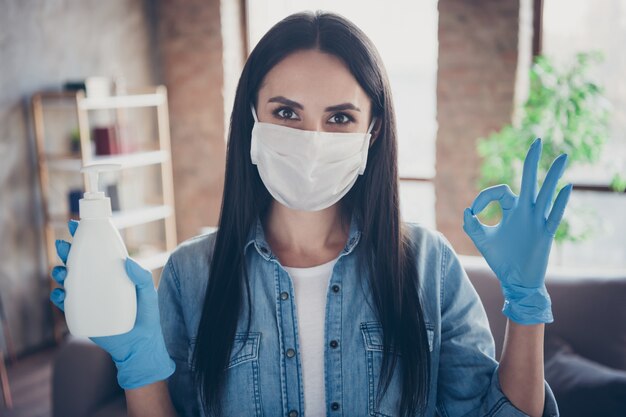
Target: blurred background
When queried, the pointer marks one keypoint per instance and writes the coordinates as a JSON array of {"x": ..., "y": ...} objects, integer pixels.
[{"x": 149, "y": 85}]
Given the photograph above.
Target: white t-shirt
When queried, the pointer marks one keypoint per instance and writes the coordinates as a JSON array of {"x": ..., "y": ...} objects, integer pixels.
[{"x": 310, "y": 286}]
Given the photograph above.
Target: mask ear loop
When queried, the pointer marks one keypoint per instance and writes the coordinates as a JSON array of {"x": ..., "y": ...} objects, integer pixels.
[
  {"x": 366, "y": 146},
  {"x": 253, "y": 144},
  {"x": 369, "y": 129},
  {"x": 254, "y": 112}
]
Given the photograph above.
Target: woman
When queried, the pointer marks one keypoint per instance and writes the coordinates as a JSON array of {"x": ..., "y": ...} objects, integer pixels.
[{"x": 313, "y": 297}]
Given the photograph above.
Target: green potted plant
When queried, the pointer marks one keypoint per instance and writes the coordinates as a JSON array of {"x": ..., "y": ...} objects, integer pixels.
[{"x": 571, "y": 115}]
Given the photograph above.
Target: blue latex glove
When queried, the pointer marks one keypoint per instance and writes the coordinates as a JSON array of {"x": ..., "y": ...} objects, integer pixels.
[
  {"x": 517, "y": 249},
  {"x": 140, "y": 354}
]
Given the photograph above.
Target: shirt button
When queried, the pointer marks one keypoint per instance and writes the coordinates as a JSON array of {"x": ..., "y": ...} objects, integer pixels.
[
  {"x": 291, "y": 353},
  {"x": 264, "y": 249},
  {"x": 334, "y": 406},
  {"x": 335, "y": 288},
  {"x": 334, "y": 344},
  {"x": 293, "y": 413},
  {"x": 284, "y": 295}
]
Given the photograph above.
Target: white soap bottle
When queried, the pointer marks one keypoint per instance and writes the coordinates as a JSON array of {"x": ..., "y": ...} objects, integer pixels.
[{"x": 100, "y": 298}]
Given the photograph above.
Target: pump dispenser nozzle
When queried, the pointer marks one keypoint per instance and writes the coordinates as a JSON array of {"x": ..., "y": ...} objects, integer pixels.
[{"x": 95, "y": 204}]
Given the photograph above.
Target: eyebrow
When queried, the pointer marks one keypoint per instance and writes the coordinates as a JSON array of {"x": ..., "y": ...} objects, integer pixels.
[{"x": 283, "y": 100}]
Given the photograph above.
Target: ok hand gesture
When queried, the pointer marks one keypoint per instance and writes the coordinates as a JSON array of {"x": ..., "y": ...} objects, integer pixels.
[{"x": 517, "y": 249}]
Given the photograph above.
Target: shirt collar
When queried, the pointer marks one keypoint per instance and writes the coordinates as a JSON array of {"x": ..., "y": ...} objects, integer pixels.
[{"x": 256, "y": 237}]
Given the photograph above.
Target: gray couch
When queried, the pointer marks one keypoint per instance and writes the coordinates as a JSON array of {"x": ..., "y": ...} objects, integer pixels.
[
  {"x": 585, "y": 346},
  {"x": 84, "y": 382},
  {"x": 589, "y": 327}
]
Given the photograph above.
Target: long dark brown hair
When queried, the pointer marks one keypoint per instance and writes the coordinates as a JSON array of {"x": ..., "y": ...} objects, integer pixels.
[{"x": 373, "y": 200}]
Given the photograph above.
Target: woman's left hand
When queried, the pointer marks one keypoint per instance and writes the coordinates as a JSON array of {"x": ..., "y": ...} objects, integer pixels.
[{"x": 517, "y": 249}]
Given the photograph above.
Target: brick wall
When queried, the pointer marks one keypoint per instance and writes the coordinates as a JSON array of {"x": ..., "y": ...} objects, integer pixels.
[
  {"x": 190, "y": 46},
  {"x": 478, "y": 49}
]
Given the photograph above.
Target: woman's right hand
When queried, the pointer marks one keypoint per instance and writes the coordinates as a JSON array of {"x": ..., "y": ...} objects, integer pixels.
[{"x": 140, "y": 354}]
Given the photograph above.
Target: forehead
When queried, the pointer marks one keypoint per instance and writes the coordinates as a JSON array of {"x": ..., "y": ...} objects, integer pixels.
[{"x": 313, "y": 78}]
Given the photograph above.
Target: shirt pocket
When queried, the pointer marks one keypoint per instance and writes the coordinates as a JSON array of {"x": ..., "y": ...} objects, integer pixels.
[
  {"x": 373, "y": 345},
  {"x": 241, "y": 394}
]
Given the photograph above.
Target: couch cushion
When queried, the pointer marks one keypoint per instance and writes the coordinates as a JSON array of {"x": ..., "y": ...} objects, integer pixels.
[
  {"x": 590, "y": 314},
  {"x": 83, "y": 379},
  {"x": 582, "y": 387}
]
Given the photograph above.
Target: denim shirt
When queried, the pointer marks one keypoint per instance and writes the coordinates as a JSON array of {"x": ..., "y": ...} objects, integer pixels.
[{"x": 264, "y": 373}]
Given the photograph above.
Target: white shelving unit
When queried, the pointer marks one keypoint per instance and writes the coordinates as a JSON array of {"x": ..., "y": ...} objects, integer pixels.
[{"x": 50, "y": 163}]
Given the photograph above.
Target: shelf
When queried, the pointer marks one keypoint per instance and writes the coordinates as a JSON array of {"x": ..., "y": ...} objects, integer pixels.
[
  {"x": 152, "y": 261},
  {"x": 118, "y": 102},
  {"x": 129, "y": 160},
  {"x": 52, "y": 159},
  {"x": 126, "y": 218},
  {"x": 61, "y": 94},
  {"x": 147, "y": 214}
]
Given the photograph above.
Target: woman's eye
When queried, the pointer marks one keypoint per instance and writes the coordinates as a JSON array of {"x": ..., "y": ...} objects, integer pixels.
[
  {"x": 341, "y": 119},
  {"x": 285, "y": 113}
]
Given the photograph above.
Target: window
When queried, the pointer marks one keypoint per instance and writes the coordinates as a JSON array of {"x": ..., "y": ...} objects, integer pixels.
[
  {"x": 409, "y": 53},
  {"x": 571, "y": 26}
]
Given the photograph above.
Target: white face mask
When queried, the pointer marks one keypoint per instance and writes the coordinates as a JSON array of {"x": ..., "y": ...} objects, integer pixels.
[{"x": 305, "y": 169}]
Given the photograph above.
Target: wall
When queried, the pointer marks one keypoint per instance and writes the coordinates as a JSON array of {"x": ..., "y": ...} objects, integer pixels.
[
  {"x": 190, "y": 45},
  {"x": 42, "y": 44},
  {"x": 478, "y": 51}
]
